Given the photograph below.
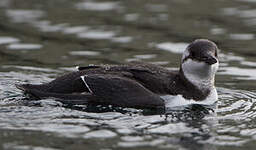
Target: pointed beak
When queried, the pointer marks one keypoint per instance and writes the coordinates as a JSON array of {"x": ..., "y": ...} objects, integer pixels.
[{"x": 210, "y": 60}]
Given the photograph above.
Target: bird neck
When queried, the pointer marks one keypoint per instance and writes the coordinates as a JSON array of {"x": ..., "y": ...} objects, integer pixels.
[{"x": 199, "y": 74}]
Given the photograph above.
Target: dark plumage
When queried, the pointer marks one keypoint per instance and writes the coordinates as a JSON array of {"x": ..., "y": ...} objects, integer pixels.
[{"x": 136, "y": 85}]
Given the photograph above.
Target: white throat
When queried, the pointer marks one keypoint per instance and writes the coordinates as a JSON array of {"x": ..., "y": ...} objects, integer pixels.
[{"x": 200, "y": 74}]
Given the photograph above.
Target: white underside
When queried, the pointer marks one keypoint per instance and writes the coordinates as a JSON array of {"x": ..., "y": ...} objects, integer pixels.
[
  {"x": 179, "y": 100},
  {"x": 202, "y": 76},
  {"x": 199, "y": 73}
]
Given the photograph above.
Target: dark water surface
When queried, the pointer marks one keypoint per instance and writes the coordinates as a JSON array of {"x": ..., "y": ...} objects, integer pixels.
[{"x": 41, "y": 39}]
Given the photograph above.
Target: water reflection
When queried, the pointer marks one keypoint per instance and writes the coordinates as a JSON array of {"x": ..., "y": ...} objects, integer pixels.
[
  {"x": 172, "y": 47},
  {"x": 248, "y": 63},
  {"x": 27, "y": 68},
  {"x": 240, "y": 73},
  {"x": 96, "y": 34},
  {"x": 97, "y": 6},
  {"x": 242, "y": 36},
  {"x": 22, "y": 46},
  {"x": 24, "y": 16},
  {"x": 156, "y": 7},
  {"x": 84, "y": 53},
  {"x": 46, "y": 26},
  {"x": 125, "y": 39},
  {"x": 100, "y": 134},
  {"x": 8, "y": 40},
  {"x": 75, "y": 29},
  {"x": 131, "y": 17},
  {"x": 171, "y": 130},
  {"x": 4, "y": 3},
  {"x": 190, "y": 128},
  {"x": 217, "y": 31},
  {"x": 148, "y": 56}
]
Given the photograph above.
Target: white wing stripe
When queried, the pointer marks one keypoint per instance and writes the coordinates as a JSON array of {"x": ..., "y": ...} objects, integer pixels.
[{"x": 82, "y": 77}]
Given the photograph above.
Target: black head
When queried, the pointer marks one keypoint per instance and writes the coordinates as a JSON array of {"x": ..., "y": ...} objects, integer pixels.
[{"x": 202, "y": 50}]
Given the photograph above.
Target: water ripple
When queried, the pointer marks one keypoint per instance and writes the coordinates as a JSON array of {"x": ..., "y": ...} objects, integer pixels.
[{"x": 232, "y": 125}]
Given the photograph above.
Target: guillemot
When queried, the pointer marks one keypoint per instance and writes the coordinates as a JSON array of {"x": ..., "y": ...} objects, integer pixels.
[{"x": 138, "y": 85}]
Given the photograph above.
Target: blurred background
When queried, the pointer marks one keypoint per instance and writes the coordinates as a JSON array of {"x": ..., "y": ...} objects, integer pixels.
[{"x": 42, "y": 39}]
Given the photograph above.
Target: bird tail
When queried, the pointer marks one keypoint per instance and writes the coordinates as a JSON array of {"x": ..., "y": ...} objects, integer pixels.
[{"x": 76, "y": 99}]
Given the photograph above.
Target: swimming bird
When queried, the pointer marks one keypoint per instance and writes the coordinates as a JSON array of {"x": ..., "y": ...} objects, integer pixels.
[{"x": 138, "y": 85}]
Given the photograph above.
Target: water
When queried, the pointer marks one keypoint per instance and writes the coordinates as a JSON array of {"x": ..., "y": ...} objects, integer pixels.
[{"x": 40, "y": 40}]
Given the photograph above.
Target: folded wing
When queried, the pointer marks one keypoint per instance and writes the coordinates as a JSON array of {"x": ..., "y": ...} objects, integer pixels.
[{"x": 107, "y": 89}]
